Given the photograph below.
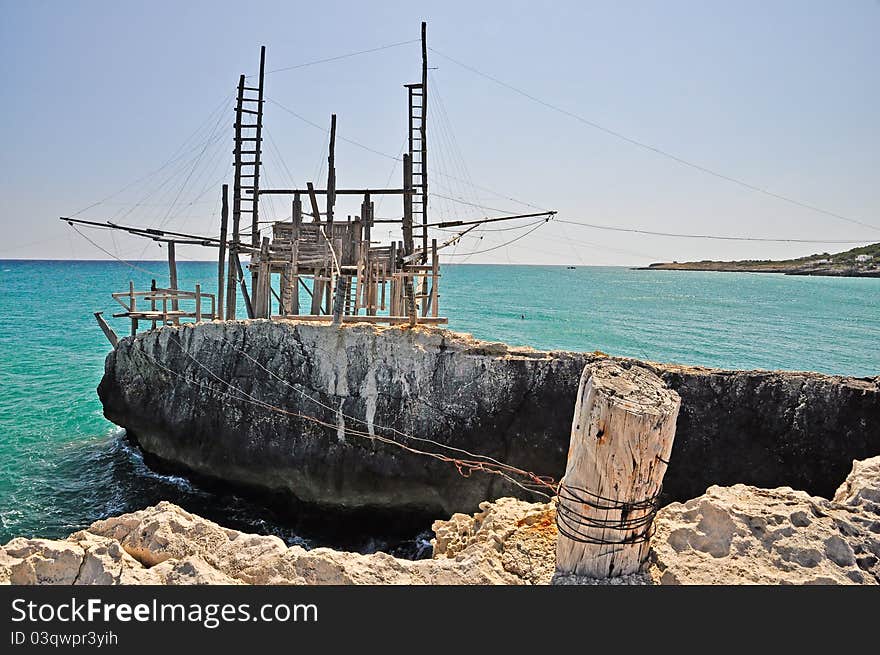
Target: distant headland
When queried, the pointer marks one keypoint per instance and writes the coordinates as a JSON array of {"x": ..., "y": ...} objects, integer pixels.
[{"x": 858, "y": 262}]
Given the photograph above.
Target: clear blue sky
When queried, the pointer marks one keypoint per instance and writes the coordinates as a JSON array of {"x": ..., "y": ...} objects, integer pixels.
[{"x": 784, "y": 95}]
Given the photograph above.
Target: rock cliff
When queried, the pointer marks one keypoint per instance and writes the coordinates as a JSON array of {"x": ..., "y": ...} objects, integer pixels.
[
  {"x": 305, "y": 410},
  {"x": 736, "y": 535}
]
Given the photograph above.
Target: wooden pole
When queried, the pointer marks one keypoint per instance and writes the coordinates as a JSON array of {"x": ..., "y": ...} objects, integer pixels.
[
  {"x": 423, "y": 135},
  {"x": 339, "y": 299},
  {"x": 331, "y": 177},
  {"x": 258, "y": 150},
  {"x": 621, "y": 438},
  {"x": 261, "y": 289},
  {"x": 221, "y": 261},
  {"x": 231, "y": 293},
  {"x": 132, "y": 307},
  {"x": 367, "y": 218},
  {"x": 198, "y": 303},
  {"x": 172, "y": 274},
  {"x": 435, "y": 280},
  {"x": 408, "y": 237},
  {"x": 106, "y": 329},
  {"x": 153, "y": 302},
  {"x": 244, "y": 292},
  {"x": 313, "y": 199},
  {"x": 294, "y": 253}
]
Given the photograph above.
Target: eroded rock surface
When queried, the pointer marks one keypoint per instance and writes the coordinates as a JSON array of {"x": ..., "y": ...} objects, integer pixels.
[
  {"x": 292, "y": 408},
  {"x": 509, "y": 542},
  {"x": 733, "y": 535},
  {"x": 772, "y": 536}
]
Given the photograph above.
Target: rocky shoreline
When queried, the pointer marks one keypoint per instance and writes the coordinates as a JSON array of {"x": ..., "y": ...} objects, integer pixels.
[
  {"x": 306, "y": 412},
  {"x": 729, "y": 535},
  {"x": 733, "y": 267}
]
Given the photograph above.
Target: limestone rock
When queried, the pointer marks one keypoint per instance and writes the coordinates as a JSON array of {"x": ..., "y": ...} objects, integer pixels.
[
  {"x": 41, "y": 561},
  {"x": 165, "y": 531},
  {"x": 83, "y": 559},
  {"x": 521, "y": 536},
  {"x": 746, "y": 535},
  {"x": 729, "y": 535}
]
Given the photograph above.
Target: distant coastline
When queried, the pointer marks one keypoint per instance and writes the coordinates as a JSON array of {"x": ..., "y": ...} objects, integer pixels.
[{"x": 858, "y": 262}]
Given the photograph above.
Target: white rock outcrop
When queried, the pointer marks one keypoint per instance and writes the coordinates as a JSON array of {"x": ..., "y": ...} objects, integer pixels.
[
  {"x": 508, "y": 542},
  {"x": 729, "y": 535},
  {"x": 746, "y": 535}
]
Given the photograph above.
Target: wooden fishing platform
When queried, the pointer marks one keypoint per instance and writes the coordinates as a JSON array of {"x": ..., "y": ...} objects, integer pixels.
[{"x": 313, "y": 267}]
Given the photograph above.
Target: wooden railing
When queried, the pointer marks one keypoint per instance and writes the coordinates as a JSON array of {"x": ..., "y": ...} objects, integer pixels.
[{"x": 163, "y": 306}]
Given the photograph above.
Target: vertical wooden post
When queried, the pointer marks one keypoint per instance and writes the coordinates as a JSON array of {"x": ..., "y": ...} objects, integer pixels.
[
  {"x": 221, "y": 262},
  {"x": 294, "y": 253},
  {"x": 258, "y": 151},
  {"x": 331, "y": 177},
  {"x": 198, "y": 303},
  {"x": 621, "y": 438},
  {"x": 261, "y": 300},
  {"x": 172, "y": 274},
  {"x": 423, "y": 135},
  {"x": 231, "y": 293},
  {"x": 392, "y": 269},
  {"x": 339, "y": 299},
  {"x": 153, "y": 302},
  {"x": 132, "y": 307},
  {"x": 409, "y": 294},
  {"x": 367, "y": 218},
  {"x": 435, "y": 279}
]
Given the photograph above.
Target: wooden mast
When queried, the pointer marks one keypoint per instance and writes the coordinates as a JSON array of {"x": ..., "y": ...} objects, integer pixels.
[
  {"x": 423, "y": 134},
  {"x": 258, "y": 146}
]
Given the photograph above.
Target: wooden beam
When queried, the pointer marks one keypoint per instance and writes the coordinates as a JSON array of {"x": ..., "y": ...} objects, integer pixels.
[
  {"x": 172, "y": 274},
  {"x": 316, "y": 213},
  {"x": 244, "y": 292},
  {"x": 428, "y": 320},
  {"x": 408, "y": 291},
  {"x": 338, "y": 192},
  {"x": 106, "y": 329},
  {"x": 424, "y": 142},
  {"x": 331, "y": 173},
  {"x": 221, "y": 260}
]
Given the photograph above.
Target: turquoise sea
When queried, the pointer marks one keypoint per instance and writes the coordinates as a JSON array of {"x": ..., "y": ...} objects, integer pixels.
[{"x": 62, "y": 465}]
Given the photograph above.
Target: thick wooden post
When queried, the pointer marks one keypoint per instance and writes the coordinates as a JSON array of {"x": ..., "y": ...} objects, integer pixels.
[
  {"x": 221, "y": 262},
  {"x": 621, "y": 438},
  {"x": 339, "y": 299},
  {"x": 198, "y": 303}
]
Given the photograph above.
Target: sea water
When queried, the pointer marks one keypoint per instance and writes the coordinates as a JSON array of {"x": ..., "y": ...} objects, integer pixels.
[{"x": 62, "y": 465}]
